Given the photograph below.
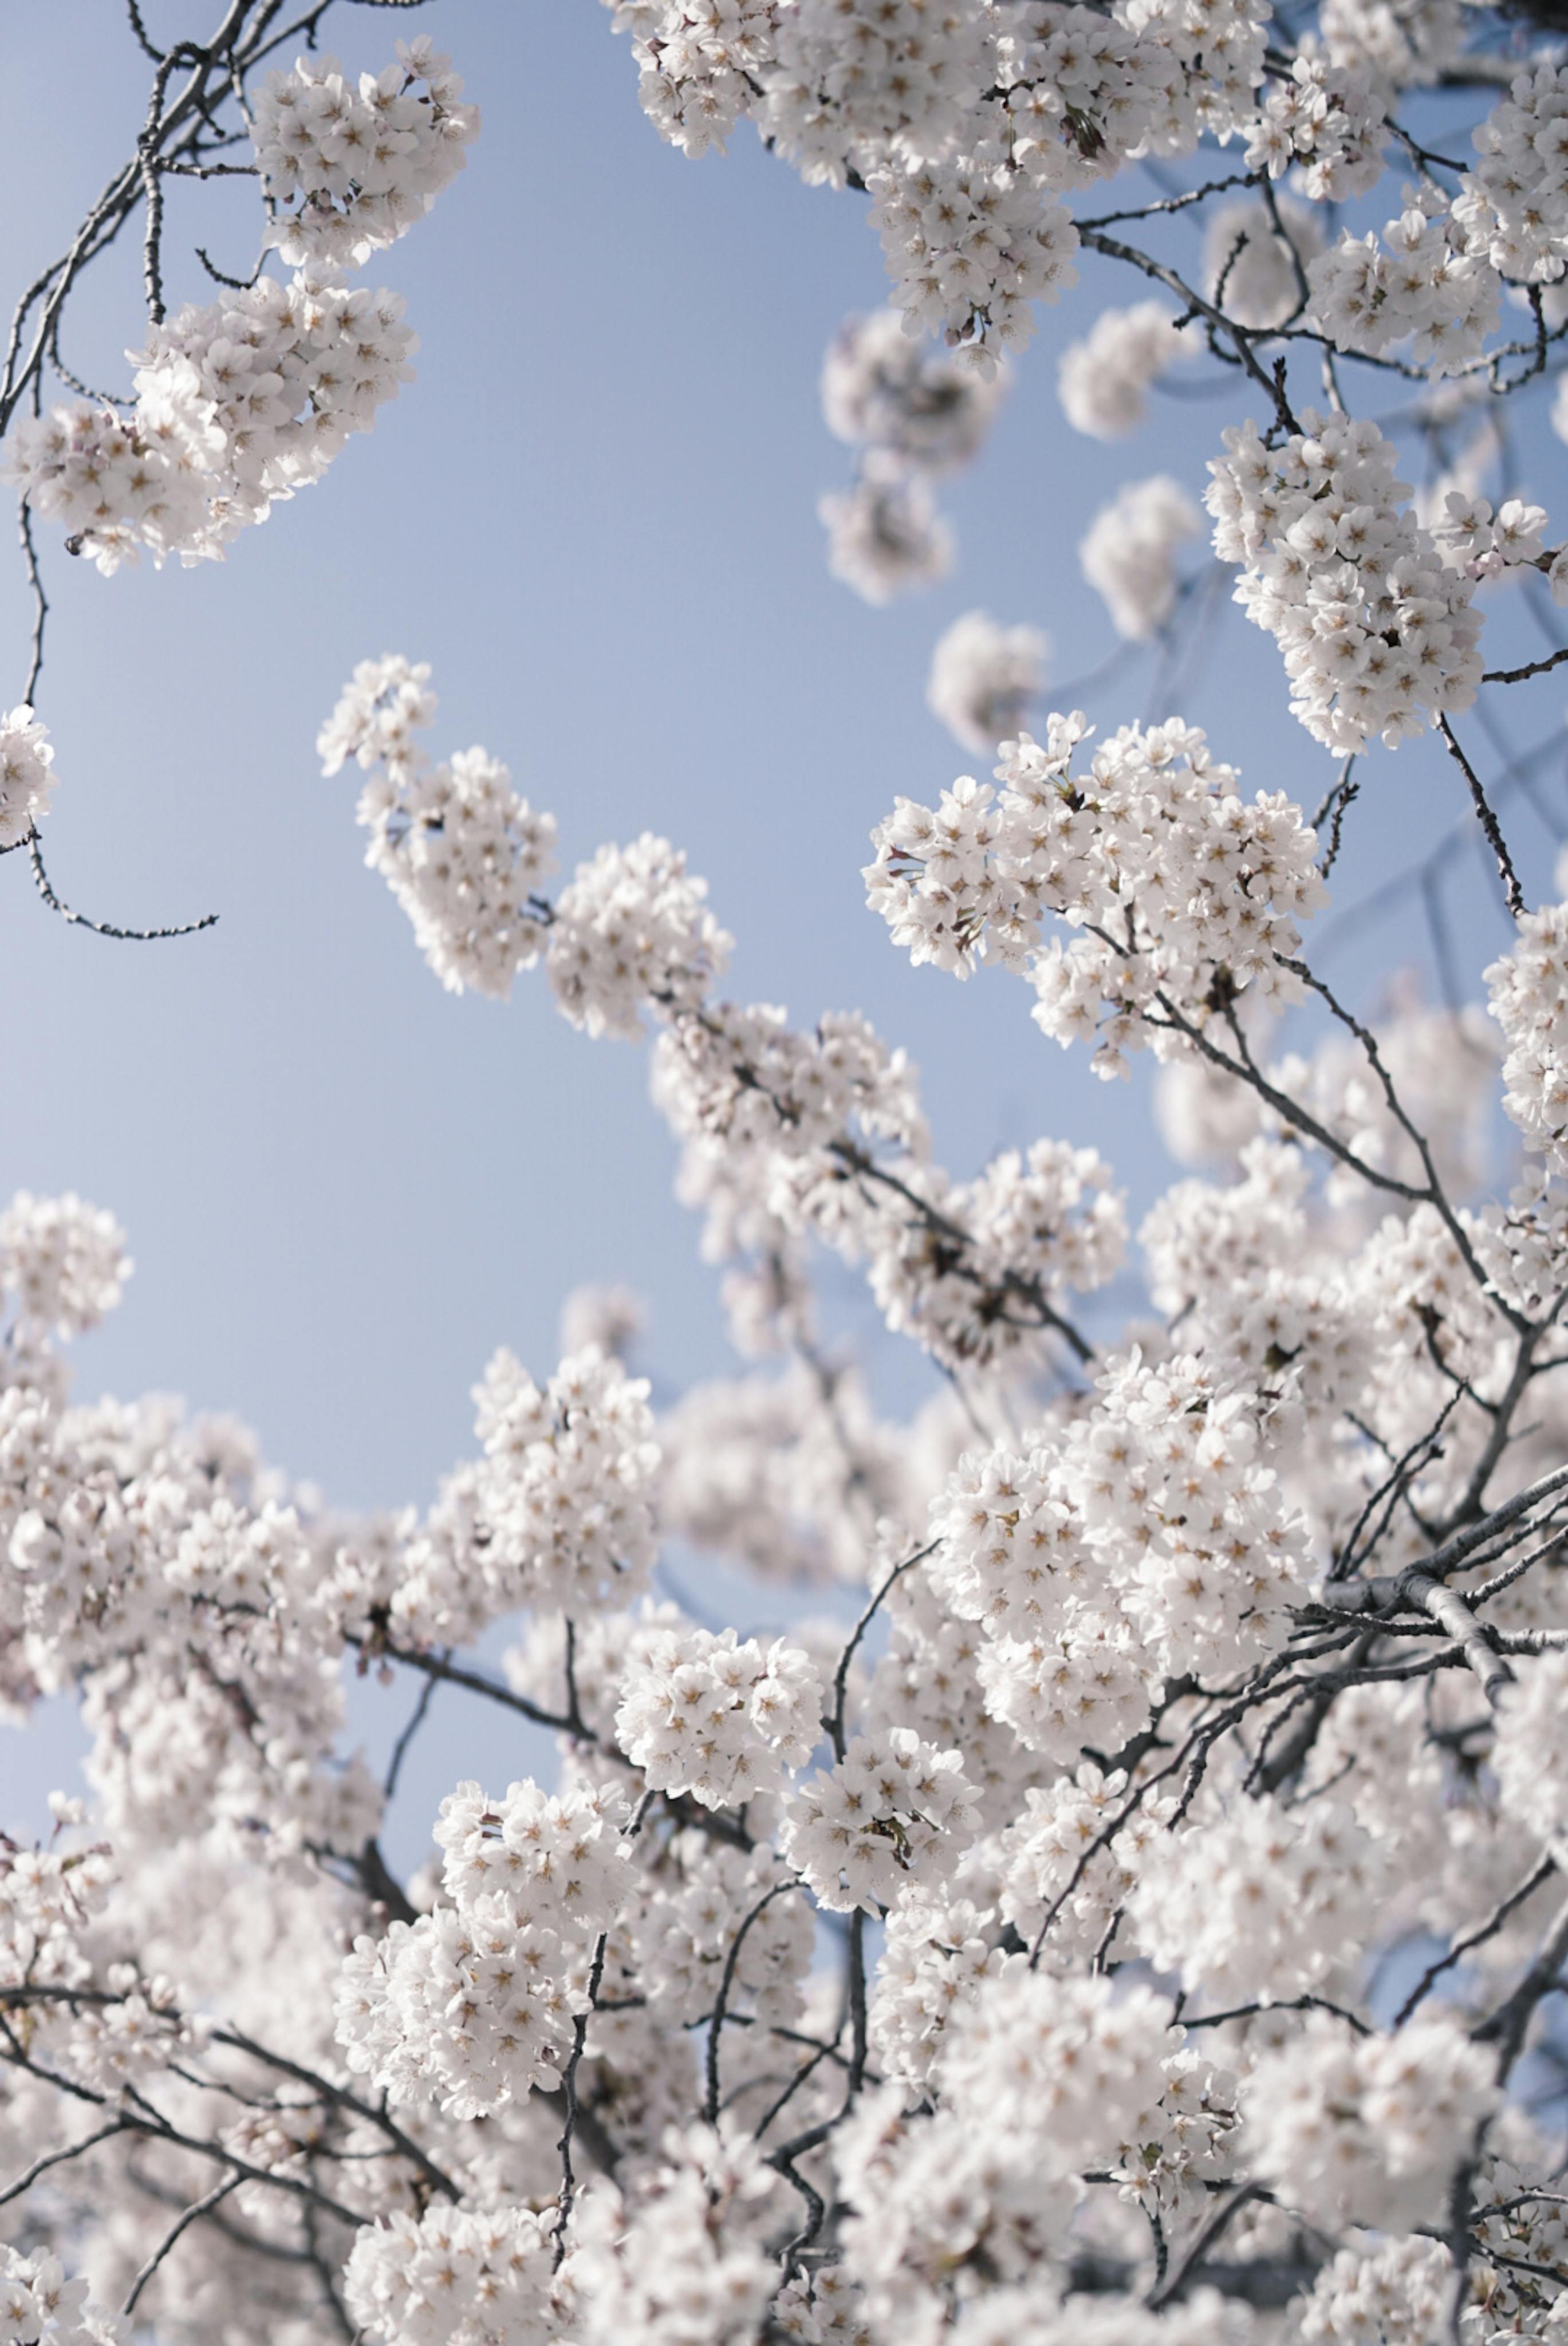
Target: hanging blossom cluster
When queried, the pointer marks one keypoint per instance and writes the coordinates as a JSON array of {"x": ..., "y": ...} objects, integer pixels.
[
  {"x": 62, "y": 1263},
  {"x": 239, "y": 403},
  {"x": 893, "y": 1811},
  {"x": 1368, "y": 2124},
  {"x": 970, "y": 249},
  {"x": 243, "y": 401},
  {"x": 1104, "y": 381},
  {"x": 351, "y": 169},
  {"x": 556, "y": 1513},
  {"x": 1276, "y": 1915},
  {"x": 911, "y": 414},
  {"x": 454, "y": 2275},
  {"x": 1325, "y": 118},
  {"x": 984, "y": 677},
  {"x": 1129, "y": 554},
  {"x": 1379, "y": 637},
  {"x": 1514, "y": 205}
]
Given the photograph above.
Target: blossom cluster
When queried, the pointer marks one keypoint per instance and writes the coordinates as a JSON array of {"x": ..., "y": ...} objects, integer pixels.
[
  {"x": 1528, "y": 990},
  {"x": 1379, "y": 637},
  {"x": 984, "y": 677},
  {"x": 894, "y": 1811},
  {"x": 1422, "y": 282},
  {"x": 969, "y": 248},
  {"x": 466, "y": 857},
  {"x": 358, "y": 165},
  {"x": 721, "y": 1718},
  {"x": 462, "y": 854},
  {"x": 1183, "y": 896},
  {"x": 239, "y": 403},
  {"x": 632, "y": 933},
  {"x": 1286, "y": 1906},
  {"x": 566, "y": 1485},
  {"x": 1103, "y": 380},
  {"x": 905, "y": 83},
  {"x": 1326, "y": 117},
  {"x": 1129, "y": 553},
  {"x": 1392, "y": 46},
  {"x": 1370, "y": 2123},
  {"x": 27, "y": 783},
  {"x": 1514, "y": 204},
  {"x": 39, "y": 2307},
  {"x": 912, "y": 414},
  {"x": 471, "y": 2005},
  {"x": 453, "y": 2276},
  {"x": 243, "y": 401},
  {"x": 788, "y": 1135},
  {"x": 964, "y": 123},
  {"x": 1144, "y": 1539},
  {"x": 63, "y": 1262}
]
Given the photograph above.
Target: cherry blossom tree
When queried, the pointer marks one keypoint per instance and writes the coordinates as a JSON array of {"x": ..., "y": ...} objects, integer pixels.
[{"x": 1110, "y": 1885}]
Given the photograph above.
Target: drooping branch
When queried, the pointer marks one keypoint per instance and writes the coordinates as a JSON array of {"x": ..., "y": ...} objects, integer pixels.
[{"x": 104, "y": 928}]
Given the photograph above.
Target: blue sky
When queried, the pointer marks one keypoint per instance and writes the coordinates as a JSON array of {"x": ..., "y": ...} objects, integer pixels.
[{"x": 595, "y": 515}]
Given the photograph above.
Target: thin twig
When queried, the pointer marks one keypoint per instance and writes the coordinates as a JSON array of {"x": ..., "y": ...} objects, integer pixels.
[
  {"x": 834, "y": 1722},
  {"x": 569, "y": 2092},
  {"x": 40, "y": 600},
  {"x": 1476, "y": 1938},
  {"x": 400, "y": 1747},
  {"x": 199, "y": 2207},
  {"x": 1489, "y": 822},
  {"x": 59, "y": 2158},
  {"x": 1534, "y": 667},
  {"x": 1506, "y": 2026},
  {"x": 1207, "y": 2235},
  {"x": 104, "y": 928},
  {"x": 726, "y": 1985}
]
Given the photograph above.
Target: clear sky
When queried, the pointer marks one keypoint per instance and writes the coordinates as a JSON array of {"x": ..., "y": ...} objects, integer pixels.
[{"x": 595, "y": 514}]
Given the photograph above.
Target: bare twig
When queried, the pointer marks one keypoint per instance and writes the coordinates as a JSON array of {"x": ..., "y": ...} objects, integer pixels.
[
  {"x": 400, "y": 1749},
  {"x": 1506, "y": 2026},
  {"x": 40, "y": 600},
  {"x": 1531, "y": 667},
  {"x": 59, "y": 2158},
  {"x": 104, "y": 928},
  {"x": 1476, "y": 1938},
  {"x": 1208, "y": 2233},
  {"x": 726, "y": 1985},
  {"x": 834, "y": 1722},
  {"x": 198, "y": 2208},
  {"x": 1489, "y": 822},
  {"x": 569, "y": 2092}
]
